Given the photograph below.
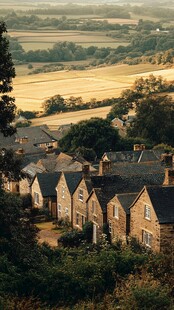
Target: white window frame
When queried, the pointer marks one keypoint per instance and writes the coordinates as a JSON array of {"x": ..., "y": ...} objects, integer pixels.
[
  {"x": 147, "y": 212},
  {"x": 147, "y": 238},
  {"x": 80, "y": 194},
  {"x": 115, "y": 211},
  {"x": 63, "y": 191},
  {"x": 36, "y": 198},
  {"x": 59, "y": 209}
]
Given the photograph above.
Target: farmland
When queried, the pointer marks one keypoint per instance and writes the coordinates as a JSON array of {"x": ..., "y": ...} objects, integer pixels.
[
  {"x": 101, "y": 83},
  {"x": 33, "y": 40}
]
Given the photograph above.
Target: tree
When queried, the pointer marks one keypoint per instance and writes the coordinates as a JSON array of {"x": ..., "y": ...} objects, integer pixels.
[
  {"x": 96, "y": 134},
  {"x": 54, "y": 104},
  {"x": 154, "y": 120},
  {"x": 7, "y": 73}
]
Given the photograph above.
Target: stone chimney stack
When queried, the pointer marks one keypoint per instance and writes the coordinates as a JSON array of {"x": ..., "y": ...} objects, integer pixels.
[
  {"x": 104, "y": 167},
  {"x": 169, "y": 176},
  {"x": 167, "y": 160},
  {"x": 139, "y": 147},
  {"x": 85, "y": 169}
]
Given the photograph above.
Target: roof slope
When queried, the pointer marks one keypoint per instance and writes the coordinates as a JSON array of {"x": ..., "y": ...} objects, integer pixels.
[
  {"x": 108, "y": 186},
  {"x": 48, "y": 182},
  {"x": 72, "y": 180},
  {"x": 126, "y": 200},
  {"x": 162, "y": 198}
]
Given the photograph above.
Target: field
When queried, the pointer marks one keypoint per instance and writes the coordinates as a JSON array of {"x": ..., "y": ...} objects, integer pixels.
[
  {"x": 33, "y": 40},
  {"x": 30, "y": 91}
]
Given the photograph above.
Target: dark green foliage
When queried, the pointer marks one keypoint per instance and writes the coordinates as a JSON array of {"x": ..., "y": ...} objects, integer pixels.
[
  {"x": 96, "y": 134},
  {"x": 75, "y": 238},
  {"x": 7, "y": 73},
  {"x": 87, "y": 153},
  {"x": 27, "y": 114},
  {"x": 10, "y": 164},
  {"x": 54, "y": 105},
  {"x": 154, "y": 120}
]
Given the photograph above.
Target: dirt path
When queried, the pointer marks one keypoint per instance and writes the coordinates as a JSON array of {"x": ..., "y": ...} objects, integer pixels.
[{"x": 48, "y": 236}]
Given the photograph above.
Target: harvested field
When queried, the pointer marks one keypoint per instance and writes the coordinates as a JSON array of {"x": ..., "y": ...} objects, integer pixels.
[
  {"x": 101, "y": 83},
  {"x": 54, "y": 121},
  {"x": 33, "y": 40}
]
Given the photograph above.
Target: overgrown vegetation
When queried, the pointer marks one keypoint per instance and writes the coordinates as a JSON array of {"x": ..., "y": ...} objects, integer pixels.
[{"x": 98, "y": 275}]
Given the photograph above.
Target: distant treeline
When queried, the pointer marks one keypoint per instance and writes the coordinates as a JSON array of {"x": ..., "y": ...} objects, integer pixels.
[
  {"x": 159, "y": 10},
  {"x": 156, "y": 47}
]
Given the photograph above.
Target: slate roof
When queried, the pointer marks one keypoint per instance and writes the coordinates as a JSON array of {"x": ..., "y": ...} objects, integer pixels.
[
  {"x": 72, "y": 180},
  {"x": 134, "y": 156},
  {"x": 108, "y": 186},
  {"x": 36, "y": 134},
  {"x": 137, "y": 168},
  {"x": 31, "y": 170},
  {"x": 62, "y": 162},
  {"x": 48, "y": 182},
  {"x": 126, "y": 200},
  {"x": 162, "y": 198}
]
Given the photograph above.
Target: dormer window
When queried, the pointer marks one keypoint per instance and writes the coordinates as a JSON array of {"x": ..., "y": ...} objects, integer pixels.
[{"x": 147, "y": 212}]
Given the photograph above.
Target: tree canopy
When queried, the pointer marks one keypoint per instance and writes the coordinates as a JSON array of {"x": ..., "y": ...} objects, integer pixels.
[
  {"x": 96, "y": 134},
  {"x": 7, "y": 73},
  {"x": 154, "y": 120}
]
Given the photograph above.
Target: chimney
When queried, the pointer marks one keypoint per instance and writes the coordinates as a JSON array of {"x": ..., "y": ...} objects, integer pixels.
[
  {"x": 139, "y": 147},
  {"x": 167, "y": 160},
  {"x": 85, "y": 169},
  {"x": 169, "y": 177},
  {"x": 104, "y": 167}
]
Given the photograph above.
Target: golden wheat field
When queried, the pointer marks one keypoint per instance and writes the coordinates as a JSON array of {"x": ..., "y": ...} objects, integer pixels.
[{"x": 30, "y": 91}]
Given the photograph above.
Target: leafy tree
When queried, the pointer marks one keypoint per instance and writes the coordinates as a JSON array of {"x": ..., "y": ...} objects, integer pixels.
[
  {"x": 154, "y": 120},
  {"x": 96, "y": 134},
  {"x": 54, "y": 104},
  {"x": 7, "y": 73}
]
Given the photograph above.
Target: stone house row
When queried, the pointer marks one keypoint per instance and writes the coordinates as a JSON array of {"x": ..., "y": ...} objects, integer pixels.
[{"x": 137, "y": 205}]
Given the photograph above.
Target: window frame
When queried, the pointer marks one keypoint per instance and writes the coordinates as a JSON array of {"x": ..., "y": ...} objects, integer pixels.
[
  {"x": 77, "y": 218},
  {"x": 59, "y": 210},
  {"x": 63, "y": 191},
  {"x": 147, "y": 212},
  {"x": 80, "y": 194},
  {"x": 147, "y": 238},
  {"x": 115, "y": 213},
  {"x": 36, "y": 198}
]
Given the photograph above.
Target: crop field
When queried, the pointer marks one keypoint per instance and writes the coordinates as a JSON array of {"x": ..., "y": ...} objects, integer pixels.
[
  {"x": 33, "y": 40},
  {"x": 30, "y": 91}
]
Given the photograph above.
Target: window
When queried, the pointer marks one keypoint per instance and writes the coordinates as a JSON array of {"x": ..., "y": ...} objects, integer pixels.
[
  {"x": 115, "y": 211},
  {"x": 83, "y": 220},
  {"x": 63, "y": 192},
  {"x": 59, "y": 211},
  {"x": 80, "y": 194},
  {"x": 110, "y": 227},
  {"x": 36, "y": 198},
  {"x": 8, "y": 185},
  {"x": 77, "y": 218},
  {"x": 93, "y": 206},
  {"x": 147, "y": 213},
  {"x": 66, "y": 211},
  {"x": 147, "y": 238}
]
